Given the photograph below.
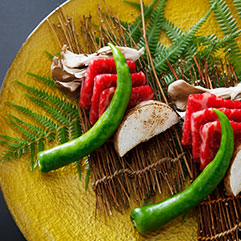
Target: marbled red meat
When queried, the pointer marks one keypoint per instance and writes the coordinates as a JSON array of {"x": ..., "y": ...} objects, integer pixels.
[
  {"x": 104, "y": 81},
  {"x": 210, "y": 140},
  {"x": 138, "y": 94},
  {"x": 202, "y": 117},
  {"x": 197, "y": 102},
  {"x": 98, "y": 66}
]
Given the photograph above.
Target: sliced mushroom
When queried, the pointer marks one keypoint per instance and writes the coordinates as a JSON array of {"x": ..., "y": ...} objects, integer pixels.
[
  {"x": 70, "y": 89},
  {"x": 232, "y": 180},
  {"x": 58, "y": 73},
  {"x": 73, "y": 63},
  {"x": 179, "y": 90},
  {"x": 69, "y": 71},
  {"x": 143, "y": 122}
]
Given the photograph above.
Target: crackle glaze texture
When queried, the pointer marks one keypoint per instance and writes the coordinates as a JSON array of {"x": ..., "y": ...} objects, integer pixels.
[{"x": 55, "y": 206}]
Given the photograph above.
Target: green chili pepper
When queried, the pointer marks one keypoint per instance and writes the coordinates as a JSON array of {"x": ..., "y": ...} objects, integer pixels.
[
  {"x": 107, "y": 124},
  {"x": 151, "y": 217}
]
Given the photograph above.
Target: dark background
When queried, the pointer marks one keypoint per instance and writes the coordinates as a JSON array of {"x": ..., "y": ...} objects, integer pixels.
[{"x": 17, "y": 20}]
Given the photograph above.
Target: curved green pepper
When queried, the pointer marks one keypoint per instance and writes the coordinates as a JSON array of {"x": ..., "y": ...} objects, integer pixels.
[
  {"x": 152, "y": 216},
  {"x": 74, "y": 150}
]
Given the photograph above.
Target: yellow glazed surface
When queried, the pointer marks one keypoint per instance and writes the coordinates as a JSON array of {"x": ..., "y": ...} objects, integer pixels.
[{"x": 55, "y": 206}]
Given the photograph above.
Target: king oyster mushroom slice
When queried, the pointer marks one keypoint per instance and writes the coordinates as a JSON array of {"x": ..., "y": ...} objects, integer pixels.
[
  {"x": 232, "y": 180},
  {"x": 69, "y": 71},
  {"x": 141, "y": 123},
  {"x": 179, "y": 90}
]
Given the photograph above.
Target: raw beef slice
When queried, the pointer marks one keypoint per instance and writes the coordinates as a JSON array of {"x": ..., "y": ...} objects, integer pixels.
[
  {"x": 202, "y": 117},
  {"x": 198, "y": 102},
  {"x": 104, "y": 81},
  {"x": 98, "y": 66},
  {"x": 138, "y": 94},
  {"x": 210, "y": 140}
]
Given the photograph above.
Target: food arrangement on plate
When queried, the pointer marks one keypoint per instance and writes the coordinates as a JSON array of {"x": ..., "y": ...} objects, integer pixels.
[{"x": 120, "y": 121}]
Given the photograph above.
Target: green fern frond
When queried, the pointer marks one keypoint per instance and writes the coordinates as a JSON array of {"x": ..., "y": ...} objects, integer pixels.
[
  {"x": 46, "y": 80},
  {"x": 190, "y": 51},
  {"x": 237, "y": 4},
  {"x": 135, "y": 28},
  {"x": 39, "y": 131},
  {"x": 77, "y": 163},
  {"x": 172, "y": 31},
  {"x": 204, "y": 40},
  {"x": 176, "y": 50},
  {"x": 133, "y": 4},
  {"x": 60, "y": 117},
  {"x": 10, "y": 144},
  {"x": 64, "y": 105},
  {"x": 51, "y": 136},
  {"x": 40, "y": 144},
  {"x": 160, "y": 50},
  {"x": 8, "y": 155},
  {"x": 45, "y": 121},
  {"x": 29, "y": 135},
  {"x": 49, "y": 55},
  {"x": 22, "y": 150},
  {"x": 228, "y": 25},
  {"x": 216, "y": 44},
  {"x": 75, "y": 129},
  {"x": 63, "y": 134},
  {"x": 18, "y": 140},
  {"x": 14, "y": 150},
  {"x": 224, "y": 16},
  {"x": 234, "y": 54},
  {"x": 154, "y": 28}
]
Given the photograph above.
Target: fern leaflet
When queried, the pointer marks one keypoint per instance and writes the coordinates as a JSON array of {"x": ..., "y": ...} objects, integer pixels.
[
  {"x": 46, "y": 80},
  {"x": 45, "y": 121},
  {"x": 173, "y": 52},
  {"x": 135, "y": 28},
  {"x": 154, "y": 28},
  {"x": 172, "y": 31},
  {"x": 237, "y": 4},
  {"x": 63, "y": 119},
  {"x": 62, "y": 104},
  {"x": 228, "y": 25}
]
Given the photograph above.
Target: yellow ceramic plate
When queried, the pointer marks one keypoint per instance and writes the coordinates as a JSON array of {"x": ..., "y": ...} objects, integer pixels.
[{"x": 55, "y": 206}]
